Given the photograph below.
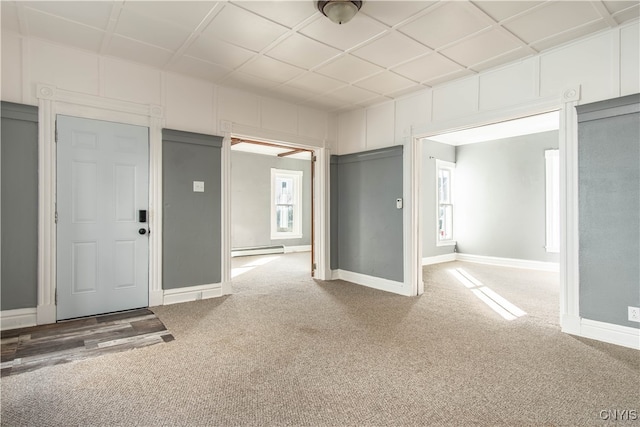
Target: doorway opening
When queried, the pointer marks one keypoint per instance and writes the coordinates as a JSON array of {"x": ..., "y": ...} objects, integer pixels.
[
  {"x": 272, "y": 207},
  {"x": 490, "y": 195}
]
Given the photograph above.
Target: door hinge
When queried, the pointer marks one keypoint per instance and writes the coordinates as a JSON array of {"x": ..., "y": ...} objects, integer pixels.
[
  {"x": 56, "y": 217},
  {"x": 314, "y": 266},
  {"x": 55, "y": 297},
  {"x": 313, "y": 158},
  {"x": 55, "y": 137}
]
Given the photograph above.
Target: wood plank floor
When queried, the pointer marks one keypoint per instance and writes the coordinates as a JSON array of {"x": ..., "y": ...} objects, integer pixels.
[{"x": 27, "y": 349}]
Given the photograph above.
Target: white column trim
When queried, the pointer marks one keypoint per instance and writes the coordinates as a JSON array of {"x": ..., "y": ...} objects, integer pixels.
[
  {"x": 51, "y": 102},
  {"x": 569, "y": 232},
  {"x": 321, "y": 215},
  {"x": 225, "y": 191},
  {"x": 412, "y": 217}
]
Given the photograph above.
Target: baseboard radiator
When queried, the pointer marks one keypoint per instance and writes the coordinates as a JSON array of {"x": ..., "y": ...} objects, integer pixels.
[{"x": 257, "y": 250}]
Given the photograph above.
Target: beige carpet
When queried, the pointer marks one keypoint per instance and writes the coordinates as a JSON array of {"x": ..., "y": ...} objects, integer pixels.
[{"x": 288, "y": 350}]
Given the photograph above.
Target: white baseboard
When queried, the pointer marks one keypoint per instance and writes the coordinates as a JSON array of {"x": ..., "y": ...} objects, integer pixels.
[
  {"x": 437, "y": 259},
  {"x": 192, "y": 293},
  {"x": 607, "y": 332},
  {"x": 18, "y": 318},
  {"x": 509, "y": 262},
  {"x": 301, "y": 248},
  {"x": 370, "y": 281}
]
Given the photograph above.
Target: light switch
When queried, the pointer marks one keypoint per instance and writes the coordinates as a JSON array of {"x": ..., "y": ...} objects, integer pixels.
[
  {"x": 399, "y": 203},
  {"x": 198, "y": 186}
]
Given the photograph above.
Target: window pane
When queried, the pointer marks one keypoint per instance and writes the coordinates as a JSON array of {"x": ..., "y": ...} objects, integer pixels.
[
  {"x": 284, "y": 190},
  {"x": 284, "y": 218},
  {"x": 444, "y": 182},
  {"x": 445, "y": 222}
]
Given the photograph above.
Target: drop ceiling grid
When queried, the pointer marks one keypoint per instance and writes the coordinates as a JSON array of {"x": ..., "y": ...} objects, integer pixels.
[{"x": 292, "y": 52}]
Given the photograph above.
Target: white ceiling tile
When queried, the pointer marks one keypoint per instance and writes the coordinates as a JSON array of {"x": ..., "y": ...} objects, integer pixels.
[
  {"x": 557, "y": 18},
  {"x": 353, "y": 94},
  {"x": 500, "y": 10},
  {"x": 60, "y": 30},
  {"x": 481, "y": 47},
  {"x": 505, "y": 58},
  {"x": 95, "y": 14},
  {"x": 567, "y": 36},
  {"x": 186, "y": 14},
  {"x": 315, "y": 83},
  {"x": 303, "y": 52},
  {"x": 393, "y": 12},
  {"x": 158, "y": 33},
  {"x": 349, "y": 69},
  {"x": 244, "y": 29},
  {"x": 385, "y": 83},
  {"x": 391, "y": 50},
  {"x": 271, "y": 69},
  {"x": 286, "y": 12},
  {"x": 360, "y": 29},
  {"x": 133, "y": 50},
  {"x": 9, "y": 16},
  {"x": 614, "y": 6},
  {"x": 445, "y": 24},
  {"x": 201, "y": 69},
  {"x": 427, "y": 67},
  {"x": 219, "y": 52}
]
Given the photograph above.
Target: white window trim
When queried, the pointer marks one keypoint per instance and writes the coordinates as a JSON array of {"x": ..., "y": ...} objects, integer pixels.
[
  {"x": 442, "y": 164},
  {"x": 552, "y": 195},
  {"x": 297, "y": 203}
]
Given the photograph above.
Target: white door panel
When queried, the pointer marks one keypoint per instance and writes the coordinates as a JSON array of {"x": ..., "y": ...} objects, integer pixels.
[{"x": 102, "y": 183}]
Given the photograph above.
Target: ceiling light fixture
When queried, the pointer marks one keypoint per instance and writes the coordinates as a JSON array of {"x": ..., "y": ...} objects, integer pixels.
[{"x": 339, "y": 11}]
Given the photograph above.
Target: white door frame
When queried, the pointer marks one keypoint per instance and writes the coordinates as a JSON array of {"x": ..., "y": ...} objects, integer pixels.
[
  {"x": 321, "y": 205},
  {"x": 569, "y": 314},
  {"x": 51, "y": 102}
]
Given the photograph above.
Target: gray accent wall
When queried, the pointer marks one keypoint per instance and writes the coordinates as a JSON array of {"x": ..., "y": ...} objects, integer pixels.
[
  {"x": 609, "y": 209},
  {"x": 499, "y": 197},
  {"x": 369, "y": 237},
  {"x": 251, "y": 199},
  {"x": 432, "y": 151},
  {"x": 191, "y": 220},
  {"x": 19, "y": 206}
]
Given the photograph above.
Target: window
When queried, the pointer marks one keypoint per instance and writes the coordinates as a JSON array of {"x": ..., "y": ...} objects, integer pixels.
[
  {"x": 286, "y": 215},
  {"x": 552, "y": 167},
  {"x": 444, "y": 214}
]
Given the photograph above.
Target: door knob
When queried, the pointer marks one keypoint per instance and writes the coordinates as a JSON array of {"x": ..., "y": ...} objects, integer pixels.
[{"x": 142, "y": 231}]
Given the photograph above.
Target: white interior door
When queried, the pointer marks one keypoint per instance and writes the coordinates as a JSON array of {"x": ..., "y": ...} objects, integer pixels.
[{"x": 102, "y": 185}]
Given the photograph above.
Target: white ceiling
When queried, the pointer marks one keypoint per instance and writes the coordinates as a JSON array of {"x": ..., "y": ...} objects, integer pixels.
[{"x": 288, "y": 50}]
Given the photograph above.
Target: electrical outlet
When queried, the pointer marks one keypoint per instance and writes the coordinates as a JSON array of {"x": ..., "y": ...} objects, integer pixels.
[{"x": 634, "y": 314}]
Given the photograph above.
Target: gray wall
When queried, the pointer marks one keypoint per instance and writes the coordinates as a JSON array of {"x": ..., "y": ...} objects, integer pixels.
[
  {"x": 19, "y": 158},
  {"x": 370, "y": 235},
  {"x": 609, "y": 209},
  {"x": 432, "y": 150},
  {"x": 191, "y": 221},
  {"x": 499, "y": 199},
  {"x": 251, "y": 199}
]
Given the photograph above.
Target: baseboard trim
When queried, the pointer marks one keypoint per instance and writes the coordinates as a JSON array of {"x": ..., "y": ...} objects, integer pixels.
[
  {"x": 156, "y": 298},
  {"x": 608, "y": 332},
  {"x": 509, "y": 262},
  {"x": 301, "y": 248},
  {"x": 18, "y": 318},
  {"x": 370, "y": 281},
  {"x": 437, "y": 259},
  {"x": 192, "y": 293}
]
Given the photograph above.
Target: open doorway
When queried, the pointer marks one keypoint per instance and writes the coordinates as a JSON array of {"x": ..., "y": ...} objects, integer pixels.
[
  {"x": 490, "y": 196},
  {"x": 272, "y": 208}
]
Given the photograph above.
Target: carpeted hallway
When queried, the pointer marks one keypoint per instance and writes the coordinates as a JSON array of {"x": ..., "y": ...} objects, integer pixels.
[{"x": 288, "y": 350}]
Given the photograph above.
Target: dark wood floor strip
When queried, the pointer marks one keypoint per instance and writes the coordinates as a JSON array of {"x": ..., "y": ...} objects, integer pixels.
[{"x": 32, "y": 348}]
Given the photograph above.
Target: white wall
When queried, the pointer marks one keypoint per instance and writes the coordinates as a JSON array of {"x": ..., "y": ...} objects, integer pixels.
[
  {"x": 189, "y": 104},
  {"x": 605, "y": 65}
]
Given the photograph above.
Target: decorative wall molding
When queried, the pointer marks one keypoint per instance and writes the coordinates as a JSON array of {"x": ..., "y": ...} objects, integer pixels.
[
  {"x": 192, "y": 293},
  {"x": 18, "y": 318}
]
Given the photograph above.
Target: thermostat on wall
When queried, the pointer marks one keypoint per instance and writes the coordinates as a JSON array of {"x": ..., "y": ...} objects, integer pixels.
[{"x": 198, "y": 186}]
